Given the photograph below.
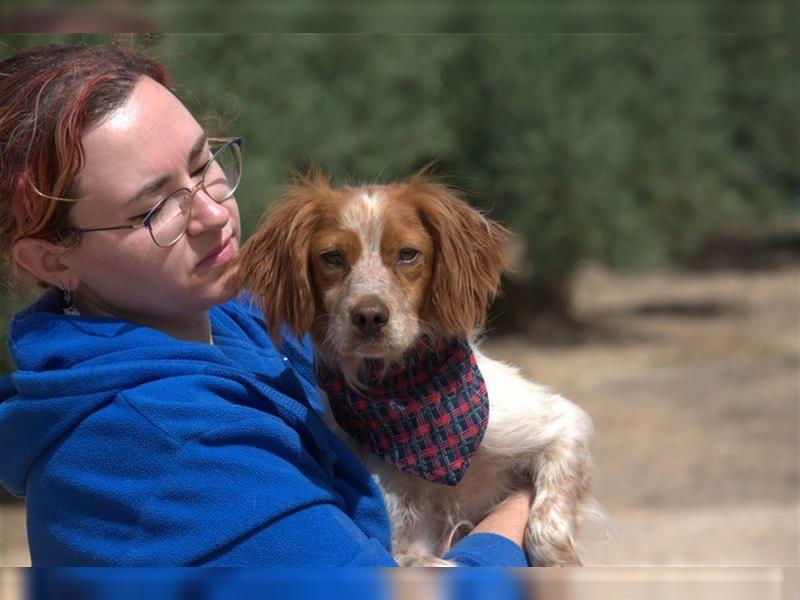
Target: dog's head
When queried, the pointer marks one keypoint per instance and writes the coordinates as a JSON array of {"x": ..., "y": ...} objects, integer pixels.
[{"x": 366, "y": 270}]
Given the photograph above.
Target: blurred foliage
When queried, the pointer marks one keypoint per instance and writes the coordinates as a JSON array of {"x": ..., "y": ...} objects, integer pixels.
[
  {"x": 629, "y": 150},
  {"x": 390, "y": 16}
]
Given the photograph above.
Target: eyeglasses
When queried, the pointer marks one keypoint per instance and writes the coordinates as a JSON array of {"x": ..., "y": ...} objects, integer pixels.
[{"x": 168, "y": 220}]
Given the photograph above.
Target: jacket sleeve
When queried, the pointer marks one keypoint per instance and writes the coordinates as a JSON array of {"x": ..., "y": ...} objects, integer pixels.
[
  {"x": 305, "y": 522},
  {"x": 487, "y": 550},
  {"x": 248, "y": 493}
]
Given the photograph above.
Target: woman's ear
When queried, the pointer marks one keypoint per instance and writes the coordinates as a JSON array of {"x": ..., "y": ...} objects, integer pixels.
[
  {"x": 46, "y": 261},
  {"x": 469, "y": 258}
]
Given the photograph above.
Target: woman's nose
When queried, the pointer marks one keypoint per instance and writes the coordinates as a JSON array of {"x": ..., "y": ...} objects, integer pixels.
[{"x": 207, "y": 213}]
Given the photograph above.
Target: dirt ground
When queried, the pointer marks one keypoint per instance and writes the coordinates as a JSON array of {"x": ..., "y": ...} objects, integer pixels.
[{"x": 692, "y": 382}]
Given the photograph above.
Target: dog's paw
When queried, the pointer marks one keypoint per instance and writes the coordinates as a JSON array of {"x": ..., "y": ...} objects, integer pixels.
[
  {"x": 552, "y": 557},
  {"x": 551, "y": 550},
  {"x": 422, "y": 560}
]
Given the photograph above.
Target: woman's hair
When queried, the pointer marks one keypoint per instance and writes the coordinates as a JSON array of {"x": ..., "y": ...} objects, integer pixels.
[{"x": 49, "y": 97}]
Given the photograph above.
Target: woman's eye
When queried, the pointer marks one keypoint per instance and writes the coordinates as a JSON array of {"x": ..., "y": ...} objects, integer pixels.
[
  {"x": 199, "y": 170},
  {"x": 408, "y": 255},
  {"x": 140, "y": 218},
  {"x": 333, "y": 258}
]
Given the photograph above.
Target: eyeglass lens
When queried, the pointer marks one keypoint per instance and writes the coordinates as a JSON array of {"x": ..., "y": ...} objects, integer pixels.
[{"x": 219, "y": 181}]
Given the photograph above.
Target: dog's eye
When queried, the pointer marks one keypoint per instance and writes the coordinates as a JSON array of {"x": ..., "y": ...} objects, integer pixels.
[
  {"x": 408, "y": 255},
  {"x": 333, "y": 257}
]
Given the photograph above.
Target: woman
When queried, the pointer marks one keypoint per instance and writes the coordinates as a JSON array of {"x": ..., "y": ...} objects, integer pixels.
[{"x": 150, "y": 420}]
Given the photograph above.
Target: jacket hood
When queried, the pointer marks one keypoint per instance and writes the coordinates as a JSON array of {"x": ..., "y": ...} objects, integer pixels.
[{"x": 70, "y": 366}]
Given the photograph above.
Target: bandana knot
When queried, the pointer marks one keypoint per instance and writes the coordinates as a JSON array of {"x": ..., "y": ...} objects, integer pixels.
[{"x": 426, "y": 416}]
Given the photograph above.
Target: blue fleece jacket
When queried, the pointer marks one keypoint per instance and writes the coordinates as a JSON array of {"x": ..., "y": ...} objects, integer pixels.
[{"x": 134, "y": 448}]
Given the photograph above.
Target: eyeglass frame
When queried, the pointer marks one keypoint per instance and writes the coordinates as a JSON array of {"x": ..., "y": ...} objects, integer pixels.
[{"x": 225, "y": 141}]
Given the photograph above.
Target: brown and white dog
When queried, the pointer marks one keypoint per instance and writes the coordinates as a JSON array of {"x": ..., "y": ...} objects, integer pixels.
[{"x": 368, "y": 271}]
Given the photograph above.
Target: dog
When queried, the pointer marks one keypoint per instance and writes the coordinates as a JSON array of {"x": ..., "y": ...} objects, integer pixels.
[{"x": 392, "y": 282}]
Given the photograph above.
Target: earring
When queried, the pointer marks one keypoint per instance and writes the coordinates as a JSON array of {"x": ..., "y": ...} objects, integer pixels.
[{"x": 69, "y": 303}]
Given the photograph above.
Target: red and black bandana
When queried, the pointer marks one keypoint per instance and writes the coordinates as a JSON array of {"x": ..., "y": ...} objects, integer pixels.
[{"x": 426, "y": 417}]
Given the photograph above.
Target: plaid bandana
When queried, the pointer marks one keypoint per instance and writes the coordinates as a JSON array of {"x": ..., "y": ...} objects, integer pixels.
[{"x": 427, "y": 417}]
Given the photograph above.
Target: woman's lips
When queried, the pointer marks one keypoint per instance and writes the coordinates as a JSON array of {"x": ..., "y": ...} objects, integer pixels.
[{"x": 220, "y": 255}]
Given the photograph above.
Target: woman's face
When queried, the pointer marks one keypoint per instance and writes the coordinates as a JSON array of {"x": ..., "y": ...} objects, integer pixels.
[{"x": 150, "y": 143}]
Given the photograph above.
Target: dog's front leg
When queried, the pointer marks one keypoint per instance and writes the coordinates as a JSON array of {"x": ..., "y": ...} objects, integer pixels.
[
  {"x": 544, "y": 439},
  {"x": 416, "y": 557},
  {"x": 562, "y": 482},
  {"x": 418, "y": 544}
]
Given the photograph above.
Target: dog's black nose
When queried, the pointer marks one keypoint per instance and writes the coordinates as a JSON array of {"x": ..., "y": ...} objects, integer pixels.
[{"x": 370, "y": 316}]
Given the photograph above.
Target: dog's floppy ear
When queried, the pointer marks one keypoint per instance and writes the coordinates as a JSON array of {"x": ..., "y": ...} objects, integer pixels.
[
  {"x": 274, "y": 263},
  {"x": 469, "y": 259}
]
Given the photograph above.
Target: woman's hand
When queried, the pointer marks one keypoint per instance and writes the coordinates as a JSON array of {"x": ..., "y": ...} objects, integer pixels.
[{"x": 509, "y": 519}]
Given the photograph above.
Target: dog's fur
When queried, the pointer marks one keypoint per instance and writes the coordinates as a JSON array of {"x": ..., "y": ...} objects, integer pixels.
[{"x": 434, "y": 263}]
